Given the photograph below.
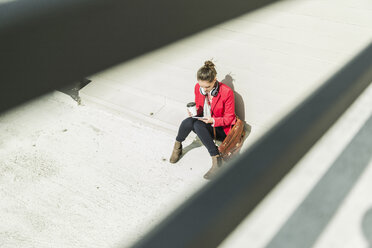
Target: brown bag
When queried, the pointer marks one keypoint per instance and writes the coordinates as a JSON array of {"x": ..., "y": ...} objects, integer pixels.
[{"x": 233, "y": 142}]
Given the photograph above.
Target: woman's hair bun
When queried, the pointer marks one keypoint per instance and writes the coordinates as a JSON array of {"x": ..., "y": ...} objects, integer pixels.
[
  {"x": 207, "y": 72},
  {"x": 209, "y": 64}
]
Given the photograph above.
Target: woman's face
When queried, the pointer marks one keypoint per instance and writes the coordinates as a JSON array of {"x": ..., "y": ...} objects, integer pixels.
[{"x": 206, "y": 85}]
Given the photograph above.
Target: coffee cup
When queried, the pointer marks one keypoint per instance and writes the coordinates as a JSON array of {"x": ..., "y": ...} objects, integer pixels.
[{"x": 191, "y": 106}]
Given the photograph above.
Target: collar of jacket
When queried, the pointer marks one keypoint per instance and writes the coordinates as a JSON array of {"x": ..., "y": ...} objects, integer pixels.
[{"x": 215, "y": 98}]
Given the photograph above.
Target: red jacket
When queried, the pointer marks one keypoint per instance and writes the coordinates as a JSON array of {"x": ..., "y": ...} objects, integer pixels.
[{"x": 222, "y": 106}]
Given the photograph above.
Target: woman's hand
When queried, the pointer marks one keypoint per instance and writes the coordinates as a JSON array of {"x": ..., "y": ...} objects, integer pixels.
[{"x": 207, "y": 120}]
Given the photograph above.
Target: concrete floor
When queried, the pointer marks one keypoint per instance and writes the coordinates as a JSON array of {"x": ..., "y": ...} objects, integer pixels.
[
  {"x": 73, "y": 176},
  {"x": 96, "y": 174}
]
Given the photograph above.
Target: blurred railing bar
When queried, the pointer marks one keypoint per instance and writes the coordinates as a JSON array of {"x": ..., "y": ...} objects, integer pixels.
[
  {"x": 211, "y": 214},
  {"x": 45, "y": 45}
]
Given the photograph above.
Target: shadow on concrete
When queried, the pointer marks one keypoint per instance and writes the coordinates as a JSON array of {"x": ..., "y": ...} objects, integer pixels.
[
  {"x": 367, "y": 227},
  {"x": 308, "y": 221},
  {"x": 194, "y": 144},
  {"x": 248, "y": 130},
  {"x": 239, "y": 102}
]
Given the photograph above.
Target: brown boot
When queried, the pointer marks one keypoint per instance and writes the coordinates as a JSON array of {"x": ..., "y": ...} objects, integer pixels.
[
  {"x": 177, "y": 151},
  {"x": 216, "y": 165}
]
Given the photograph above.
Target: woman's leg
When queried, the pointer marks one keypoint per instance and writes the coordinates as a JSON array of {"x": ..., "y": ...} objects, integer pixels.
[
  {"x": 203, "y": 131},
  {"x": 206, "y": 135},
  {"x": 220, "y": 133},
  {"x": 185, "y": 128}
]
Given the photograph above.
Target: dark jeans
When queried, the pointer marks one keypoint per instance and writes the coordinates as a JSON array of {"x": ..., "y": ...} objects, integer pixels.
[{"x": 204, "y": 132}]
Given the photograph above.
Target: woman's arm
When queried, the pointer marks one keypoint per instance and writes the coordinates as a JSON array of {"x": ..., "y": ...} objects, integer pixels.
[
  {"x": 229, "y": 111},
  {"x": 199, "y": 107}
]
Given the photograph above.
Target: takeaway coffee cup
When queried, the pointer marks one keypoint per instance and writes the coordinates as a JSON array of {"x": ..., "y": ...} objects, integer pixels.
[{"x": 191, "y": 106}]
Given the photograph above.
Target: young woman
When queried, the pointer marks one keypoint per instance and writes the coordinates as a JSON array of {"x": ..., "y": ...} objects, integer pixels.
[{"x": 216, "y": 105}]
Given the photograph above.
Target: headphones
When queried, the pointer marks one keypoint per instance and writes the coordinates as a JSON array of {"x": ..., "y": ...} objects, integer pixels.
[{"x": 214, "y": 91}]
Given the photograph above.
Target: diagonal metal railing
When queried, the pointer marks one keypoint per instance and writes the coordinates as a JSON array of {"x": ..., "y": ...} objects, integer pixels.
[{"x": 45, "y": 45}]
